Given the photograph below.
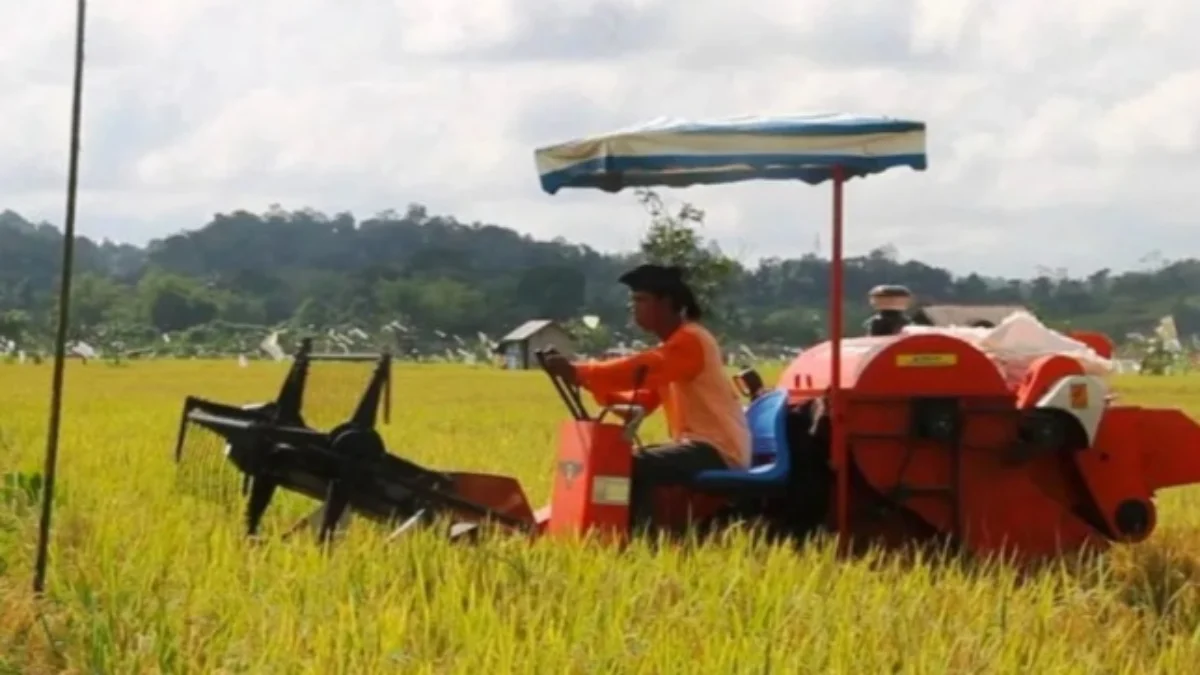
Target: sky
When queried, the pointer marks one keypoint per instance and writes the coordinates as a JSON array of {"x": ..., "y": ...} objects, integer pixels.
[{"x": 1062, "y": 134}]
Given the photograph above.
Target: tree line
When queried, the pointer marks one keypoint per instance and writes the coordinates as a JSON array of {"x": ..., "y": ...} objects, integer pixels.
[{"x": 307, "y": 268}]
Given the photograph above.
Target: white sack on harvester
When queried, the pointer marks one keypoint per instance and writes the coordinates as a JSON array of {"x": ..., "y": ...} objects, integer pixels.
[{"x": 1019, "y": 340}]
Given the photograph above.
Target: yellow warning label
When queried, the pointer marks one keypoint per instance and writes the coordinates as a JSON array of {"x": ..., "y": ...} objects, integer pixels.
[{"x": 926, "y": 360}]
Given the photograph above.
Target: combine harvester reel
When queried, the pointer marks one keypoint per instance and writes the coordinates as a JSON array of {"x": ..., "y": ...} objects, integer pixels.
[
  {"x": 382, "y": 360},
  {"x": 347, "y": 468}
]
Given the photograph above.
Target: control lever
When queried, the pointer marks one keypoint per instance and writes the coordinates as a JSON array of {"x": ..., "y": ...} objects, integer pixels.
[
  {"x": 633, "y": 413},
  {"x": 634, "y": 416},
  {"x": 569, "y": 394}
]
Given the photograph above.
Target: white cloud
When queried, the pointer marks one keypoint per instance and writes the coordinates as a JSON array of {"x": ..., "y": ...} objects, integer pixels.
[{"x": 1060, "y": 133}]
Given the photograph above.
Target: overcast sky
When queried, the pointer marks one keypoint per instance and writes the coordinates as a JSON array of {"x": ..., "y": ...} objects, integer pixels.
[{"x": 1062, "y": 133}]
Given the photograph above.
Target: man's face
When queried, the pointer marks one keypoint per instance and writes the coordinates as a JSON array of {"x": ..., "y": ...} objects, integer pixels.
[{"x": 647, "y": 310}]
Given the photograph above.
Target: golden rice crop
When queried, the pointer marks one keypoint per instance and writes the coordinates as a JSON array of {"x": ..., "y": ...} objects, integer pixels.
[{"x": 146, "y": 578}]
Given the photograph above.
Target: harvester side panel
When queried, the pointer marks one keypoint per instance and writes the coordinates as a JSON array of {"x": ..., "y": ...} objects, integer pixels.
[
  {"x": 502, "y": 494},
  {"x": 1169, "y": 441},
  {"x": 931, "y": 422},
  {"x": 929, "y": 365},
  {"x": 592, "y": 481},
  {"x": 1138, "y": 451},
  {"x": 1115, "y": 476}
]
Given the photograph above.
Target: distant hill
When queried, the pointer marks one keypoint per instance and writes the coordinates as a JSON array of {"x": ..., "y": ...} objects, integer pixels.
[{"x": 312, "y": 268}]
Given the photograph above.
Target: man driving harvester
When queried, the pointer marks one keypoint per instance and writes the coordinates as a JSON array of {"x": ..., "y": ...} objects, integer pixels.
[{"x": 684, "y": 374}]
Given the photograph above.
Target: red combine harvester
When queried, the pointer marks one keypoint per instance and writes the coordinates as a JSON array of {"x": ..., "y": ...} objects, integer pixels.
[
  {"x": 899, "y": 437},
  {"x": 940, "y": 447},
  {"x": 896, "y": 437}
]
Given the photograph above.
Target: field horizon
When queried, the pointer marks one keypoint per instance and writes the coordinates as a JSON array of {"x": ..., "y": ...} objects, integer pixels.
[{"x": 146, "y": 576}]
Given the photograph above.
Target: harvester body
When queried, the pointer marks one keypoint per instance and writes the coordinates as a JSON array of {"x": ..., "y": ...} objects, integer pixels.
[
  {"x": 943, "y": 444},
  {"x": 940, "y": 442}
]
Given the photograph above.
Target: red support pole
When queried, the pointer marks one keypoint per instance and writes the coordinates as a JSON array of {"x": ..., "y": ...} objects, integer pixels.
[{"x": 838, "y": 450}]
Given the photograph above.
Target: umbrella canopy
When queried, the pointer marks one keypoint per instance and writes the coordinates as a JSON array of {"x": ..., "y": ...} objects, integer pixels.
[{"x": 680, "y": 153}]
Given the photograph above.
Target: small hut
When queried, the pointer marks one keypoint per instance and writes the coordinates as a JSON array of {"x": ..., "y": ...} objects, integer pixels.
[
  {"x": 517, "y": 349},
  {"x": 980, "y": 316}
]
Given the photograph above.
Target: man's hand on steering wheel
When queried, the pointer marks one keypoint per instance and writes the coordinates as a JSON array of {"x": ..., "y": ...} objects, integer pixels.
[{"x": 559, "y": 366}]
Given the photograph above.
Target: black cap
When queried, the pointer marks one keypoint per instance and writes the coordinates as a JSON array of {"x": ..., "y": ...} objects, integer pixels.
[{"x": 663, "y": 281}]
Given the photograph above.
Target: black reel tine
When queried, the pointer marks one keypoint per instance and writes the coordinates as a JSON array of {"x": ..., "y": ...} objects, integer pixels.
[
  {"x": 261, "y": 490},
  {"x": 336, "y": 503},
  {"x": 188, "y": 404},
  {"x": 366, "y": 413}
]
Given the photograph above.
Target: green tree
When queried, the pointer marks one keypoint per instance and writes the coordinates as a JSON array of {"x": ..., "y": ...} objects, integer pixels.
[
  {"x": 14, "y": 324},
  {"x": 175, "y": 303},
  {"x": 240, "y": 273},
  {"x": 552, "y": 291},
  {"x": 673, "y": 239}
]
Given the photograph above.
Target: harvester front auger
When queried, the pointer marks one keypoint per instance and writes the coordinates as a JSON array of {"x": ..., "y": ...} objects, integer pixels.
[{"x": 347, "y": 468}]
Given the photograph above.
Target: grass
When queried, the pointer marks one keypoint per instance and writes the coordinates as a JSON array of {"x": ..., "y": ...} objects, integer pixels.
[{"x": 145, "y": 578}]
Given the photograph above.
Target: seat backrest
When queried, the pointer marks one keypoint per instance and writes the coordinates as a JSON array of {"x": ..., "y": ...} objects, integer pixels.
[{"x": 767, "y": 418}]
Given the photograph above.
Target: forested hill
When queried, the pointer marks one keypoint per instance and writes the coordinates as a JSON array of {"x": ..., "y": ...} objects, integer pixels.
[{"x": 433, "y": 271}]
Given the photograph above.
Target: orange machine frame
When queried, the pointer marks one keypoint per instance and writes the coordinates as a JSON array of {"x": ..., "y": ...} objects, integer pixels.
[{"x": 981, "y": 485}]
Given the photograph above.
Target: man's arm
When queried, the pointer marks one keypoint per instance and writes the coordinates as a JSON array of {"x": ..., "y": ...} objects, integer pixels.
[{"x": 679, "y": 358}]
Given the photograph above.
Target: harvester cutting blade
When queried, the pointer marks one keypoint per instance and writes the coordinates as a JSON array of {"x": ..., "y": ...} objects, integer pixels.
[{"x": 418, "y": 519}]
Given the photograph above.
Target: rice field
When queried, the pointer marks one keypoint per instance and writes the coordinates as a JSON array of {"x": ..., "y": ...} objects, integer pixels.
[{"x": 147, "y": 578}]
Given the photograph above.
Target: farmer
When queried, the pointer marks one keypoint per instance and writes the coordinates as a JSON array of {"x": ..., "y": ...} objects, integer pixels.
[{"x": 684, "y": 374}]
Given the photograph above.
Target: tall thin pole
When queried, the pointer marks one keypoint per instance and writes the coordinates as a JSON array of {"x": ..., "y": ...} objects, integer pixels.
[
  {"x": 64, "y": 302},
  {"x": 837, "y": 431}
]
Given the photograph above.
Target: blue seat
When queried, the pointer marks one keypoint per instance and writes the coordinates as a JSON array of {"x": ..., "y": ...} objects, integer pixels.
[{"x": 767, "y": 418}]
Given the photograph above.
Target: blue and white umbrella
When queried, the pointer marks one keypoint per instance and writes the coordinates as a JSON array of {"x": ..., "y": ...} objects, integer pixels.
[
  {"x": 681, "y": 153},
  {"x": 808, "y": 148}
]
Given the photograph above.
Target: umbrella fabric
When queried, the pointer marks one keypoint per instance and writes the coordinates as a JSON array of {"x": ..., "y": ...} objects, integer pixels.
[{"x": 680, "y": 153}]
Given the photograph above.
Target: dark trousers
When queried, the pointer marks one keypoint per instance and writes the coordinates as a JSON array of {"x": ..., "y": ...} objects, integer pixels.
[{"x": 666, "y": 464}]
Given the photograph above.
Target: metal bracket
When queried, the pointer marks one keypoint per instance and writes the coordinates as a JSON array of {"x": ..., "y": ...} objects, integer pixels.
[{"x": 633, "y": 414}]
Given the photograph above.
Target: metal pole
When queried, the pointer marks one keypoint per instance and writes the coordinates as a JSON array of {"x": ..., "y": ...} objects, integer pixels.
[
  {"x": 64, "y": 301},
  {"x": 837, "y": 431}
]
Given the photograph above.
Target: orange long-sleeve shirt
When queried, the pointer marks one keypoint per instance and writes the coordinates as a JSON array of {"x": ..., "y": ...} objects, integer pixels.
[{"x": 685, "y": 376}]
